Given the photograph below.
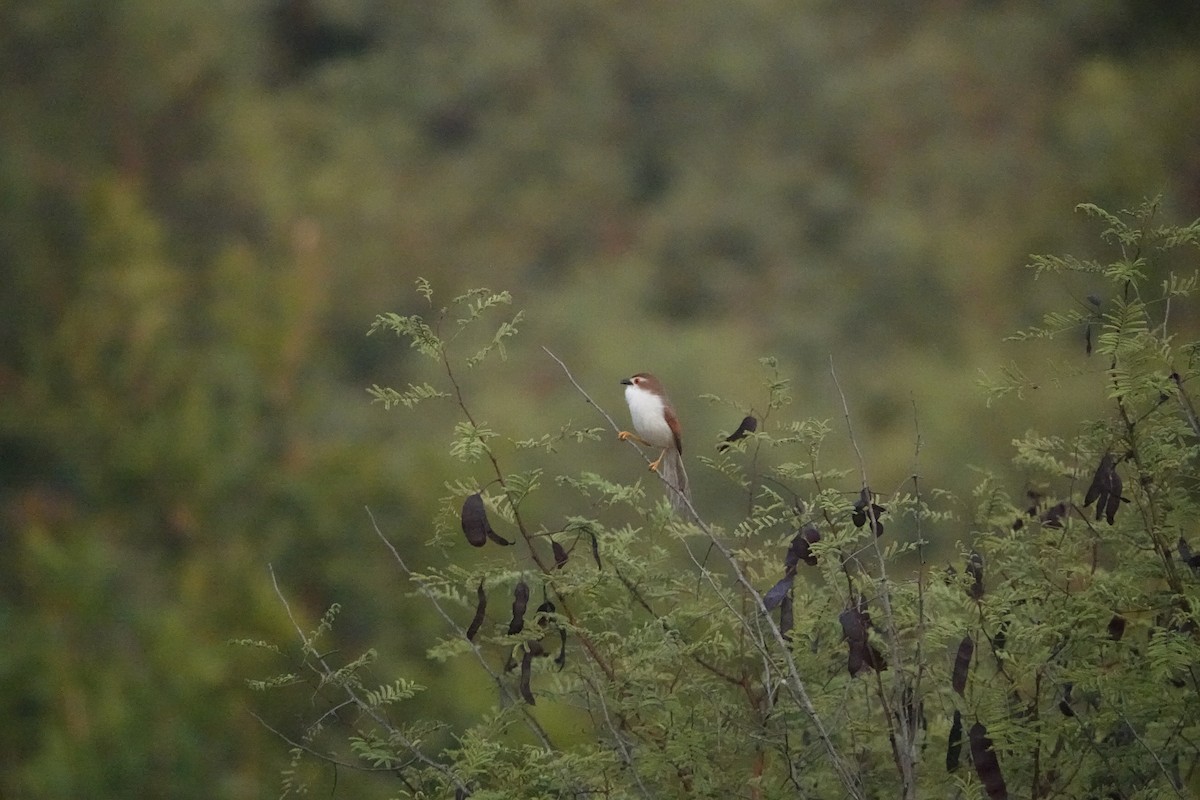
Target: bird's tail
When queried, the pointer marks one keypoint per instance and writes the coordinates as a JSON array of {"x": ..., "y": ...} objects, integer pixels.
[{"x": 678, "y": 491}]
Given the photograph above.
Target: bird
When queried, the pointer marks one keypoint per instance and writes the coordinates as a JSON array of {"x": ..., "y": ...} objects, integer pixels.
[{"x": 656, "y": 425}]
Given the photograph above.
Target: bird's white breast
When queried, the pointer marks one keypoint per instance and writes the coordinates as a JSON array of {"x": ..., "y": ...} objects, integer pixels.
[{"x": 646, "y": 409}]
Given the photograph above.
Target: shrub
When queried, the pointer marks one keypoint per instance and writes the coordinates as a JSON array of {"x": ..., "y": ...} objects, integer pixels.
[{"x": 816, "y": 648}]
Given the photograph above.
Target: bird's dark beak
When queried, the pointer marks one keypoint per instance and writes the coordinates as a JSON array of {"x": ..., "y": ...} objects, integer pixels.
[{"x": 626, "y": 381}]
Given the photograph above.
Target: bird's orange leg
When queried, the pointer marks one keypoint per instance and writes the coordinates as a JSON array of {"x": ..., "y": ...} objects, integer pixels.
[
  {"x": 626, "y": 435},
  {"x": 657, "y": 461}
]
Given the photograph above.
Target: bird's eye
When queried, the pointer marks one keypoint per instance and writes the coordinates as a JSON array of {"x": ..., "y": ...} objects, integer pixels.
[{"x": 638, "y": 381}]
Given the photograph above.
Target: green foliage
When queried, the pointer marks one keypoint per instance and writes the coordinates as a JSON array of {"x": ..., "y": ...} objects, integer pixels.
[
  {"x": 1066, "y": 627},
  {"x": 198, "y": 205}
]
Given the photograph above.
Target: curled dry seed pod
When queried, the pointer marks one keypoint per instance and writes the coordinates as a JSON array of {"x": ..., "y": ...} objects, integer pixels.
[
  {"x": 1099, "y": 483},
  {"x": 999, "y": 641},
  {"x": 862, "y": 654},
  {"x": 497, "y": 538},
  {"x": 1053, "y": 516},
  {"x": 560, "y": 554},
  {"x": 543, "y": 613},
  {"x": 595, "y": 550},
  {"x": 865, "y": 508},
  {"x": 975, "y": 570},
  {"x": 1035, "y": 502},
  {"x": 1116, "y": 627},
  {"x": 561, "y": 658},
  {"x": 962, "y": 662},
  {"x": 1114, "y": 501},
  {"x": 1105, "y": 489},
  {"x": 533, "y": 650},
  {"x": 520, "y": 603},
  {"x": 776, "y": 594},
  {"x": 480, "y": 610},
  {"x": 1187, "y": 556},
  {"x": 987, "y": 766},
  {"x": 954, "y": 745},
  {"x": 785, "y": 618},
  {"x": 749, "y": 425},
  {"x": 474, "y": 521},
  {"x": 799, "y": 549},
  {"x": 855, "y": 633}
]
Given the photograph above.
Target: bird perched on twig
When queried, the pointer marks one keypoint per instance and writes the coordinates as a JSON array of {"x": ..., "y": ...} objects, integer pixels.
[{"x": 656, "y": 425}]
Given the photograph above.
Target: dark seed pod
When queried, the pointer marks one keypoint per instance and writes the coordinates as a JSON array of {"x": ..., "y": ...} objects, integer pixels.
[
  {"x": 531, "y": 652},
  {"x": 778, "y": 592},
  {"x": 987, "y": 766},
  {"x": 595, "y": 550},
  {"x": 962, "y": 663},
  {"x": 543, "y": 613},
  {"x": 474, "y": 521},
  {"x": 480, "y": 610},
  {"x": 975, "y": 570},
  {"x": 1187, "y": 556},
  {"x": 520, "y": 603},
  {"x": 498, "y": 539},
  {"x": 1001, "y": 638},
  {"x": 799, "y": 549},
  {"x": 862, "y": 654},
  {"x": 1064, "y": 705},
  {"x": 749, "y": 425},
  {"x": 785, "y": 617},
  {"x": 1116, "y": 627},
  {"x": 560, "y": 554},
  {"x": 561, "y": 658},
  {"x": 954, "y": 745},
  {"x": 1105, "y": 489},
  {"x": 1114, "y": 501},
  {"x": 865, "y": 508},
  {"x": 1053, "y": 516}
]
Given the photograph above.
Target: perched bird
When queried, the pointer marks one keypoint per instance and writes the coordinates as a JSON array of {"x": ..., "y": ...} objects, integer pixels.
[{"x": 656, "y": 425}]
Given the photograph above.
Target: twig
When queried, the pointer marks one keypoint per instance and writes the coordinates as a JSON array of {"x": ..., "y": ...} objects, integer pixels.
[
  {"x": 906, "y": 763},
  {"x": 581, "y": 390},
  {"x": 618, "y": 740},
  {"x": 533, "y": 724},
  {"x": 362, "y": 704},
  {"x": 323, "y": 756},
  {"x": 918, "y": 656},
  {"x": 546, "y": 568},
  {"x": 795, "y": 684},
  {"x": 687, "y": 501},
  {"x": 1161, "y": 766},
  {"x": 1185, "y": 403}
]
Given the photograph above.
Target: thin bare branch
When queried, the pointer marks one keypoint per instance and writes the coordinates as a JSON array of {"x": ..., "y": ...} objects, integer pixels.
[
  {"x": 363, "y": 706},
  {"x": 905, "y": 741},
  {"x": 505, "y": 692},
  {"x": 796, "y": 686}
]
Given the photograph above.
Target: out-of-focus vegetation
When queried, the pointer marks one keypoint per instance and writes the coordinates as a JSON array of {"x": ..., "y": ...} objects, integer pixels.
[{"x": 203, "y": 205}]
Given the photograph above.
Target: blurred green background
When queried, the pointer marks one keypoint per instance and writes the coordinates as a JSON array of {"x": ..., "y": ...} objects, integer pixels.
[{"x": 204, "y": 204}]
